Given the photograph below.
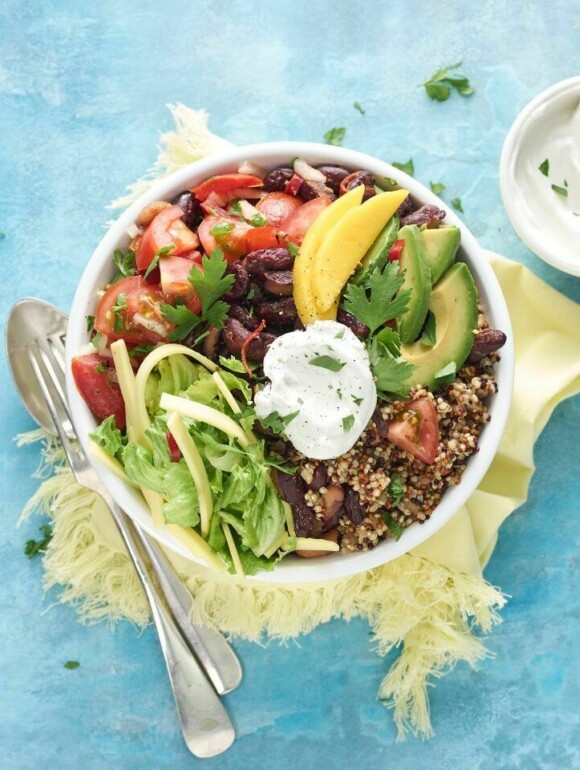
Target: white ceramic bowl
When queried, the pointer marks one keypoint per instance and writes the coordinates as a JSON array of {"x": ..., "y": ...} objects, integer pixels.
[
  {"x": 542, "y": 219},
  {"x": 99, "y": 270}
]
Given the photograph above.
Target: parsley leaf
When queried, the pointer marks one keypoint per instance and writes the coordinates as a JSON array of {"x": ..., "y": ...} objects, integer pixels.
[
  {"x": 90, "y": 323},
  {"x": 391, "y": 374},
  {"x": 33, "y": 547},
  {"x": 394, "y": 527},
  {"x": 396, "y": 490},
  {"x": 335, "y": 136},
  {"x": 374, "y": 302},
  {"x": 456, "y": 203},
  {"x": 358, "y": 401},
  {"x": 439, "y": 85},
  {"x": 391, "y": 340},
  {"x": 544, "y": 167},
  {"x": 71, "y": 664},
  {"x": 117, "y": 309},
  {"x": 428, "y": 337},
  {"x": 124, "y": 261},
  {"x": 560, "y": 190},
  {"x": 163, "y": 252},
  {"x": 347, "y": 422},
  {"x": 277, "y": 423},
  {"x": 358, "y": 106},
  {"x": 407, "y": 167},
  {"x": 212, "y": 283},
  {"x": 327, "y": 362},
  {"x": 185, "y": 321},
  {"x": 437, "y": 187}
]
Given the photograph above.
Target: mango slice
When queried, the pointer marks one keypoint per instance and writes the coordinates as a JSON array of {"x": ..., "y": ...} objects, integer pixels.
[
  {"x": 346, "y": 244},
  {"x": 302, "y": 274}
]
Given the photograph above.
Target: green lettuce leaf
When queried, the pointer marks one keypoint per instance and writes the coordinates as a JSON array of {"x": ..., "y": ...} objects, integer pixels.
[
  {"x": 109, "y": 437},
  {"x": 182, "y": 506}
]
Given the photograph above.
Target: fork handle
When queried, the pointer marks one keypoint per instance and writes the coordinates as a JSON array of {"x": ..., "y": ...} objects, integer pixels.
[{"x": 206, "y": 727}]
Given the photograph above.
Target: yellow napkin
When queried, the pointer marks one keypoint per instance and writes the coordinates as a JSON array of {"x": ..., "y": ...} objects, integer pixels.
[{"x": 429, "y": 601}]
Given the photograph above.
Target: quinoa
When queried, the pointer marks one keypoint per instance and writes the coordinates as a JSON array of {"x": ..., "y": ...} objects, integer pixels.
[{"x": 374, "y": 463}]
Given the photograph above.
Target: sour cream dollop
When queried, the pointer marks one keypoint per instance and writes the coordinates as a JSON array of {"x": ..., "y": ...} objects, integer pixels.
[{"x": 323, "y": 374}]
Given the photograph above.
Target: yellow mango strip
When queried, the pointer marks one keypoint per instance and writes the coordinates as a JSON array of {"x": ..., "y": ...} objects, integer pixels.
[
  {"x": 303, "y": 296},
  {"x": 345, "y": 245}
]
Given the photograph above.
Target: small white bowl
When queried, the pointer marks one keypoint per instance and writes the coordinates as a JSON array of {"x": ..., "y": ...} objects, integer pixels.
[
  {"x": 547, "y": 223},
  {"x": 99, "y": 270}
]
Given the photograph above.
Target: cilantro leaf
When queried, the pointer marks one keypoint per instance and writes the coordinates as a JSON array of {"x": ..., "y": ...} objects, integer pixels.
[
  {"x": 456, "y": 203},
  {"x": 407, "y": 167},
  {"x": 213, "y": 282},
  {"x": 396, "y": 490},
  {"x": 33, "y": 547},
  {"x": 390, "y": 374},
  {"x": 428, "y": 337},
  {"x": 439, "y": 85},
  {"x": 358, "y": 106},
  {"x": 124, "y": 261},
  {"x": 327, "y": 362},
  {"x": 437, "y": 187},
  {"x": 335, "y": 136},
  {"x": 185, "y": 321},
  {"x": 376, "y": 301},
  {"x": 544, "y": 167}
]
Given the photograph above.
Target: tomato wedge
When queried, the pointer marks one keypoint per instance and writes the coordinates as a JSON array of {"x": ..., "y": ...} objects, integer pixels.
[
  {"x": 263, "y": 238},
  {"x": 224, "y": 183},
  {"x": 299, "y": 221},
  {"x": 277, "y": 206},
  {"x": 175, "y": 281},
  {"x": 96, "y": 381},
  {"x": 165, "y": 230},
  {"x": 130, "y": 310},
  {"x": 416, "y": 430},
  {"x": 226, "y": 232}
]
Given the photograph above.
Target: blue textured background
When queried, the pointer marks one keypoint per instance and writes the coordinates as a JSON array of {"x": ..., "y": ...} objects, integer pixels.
[{"x": 82, "y": 94}]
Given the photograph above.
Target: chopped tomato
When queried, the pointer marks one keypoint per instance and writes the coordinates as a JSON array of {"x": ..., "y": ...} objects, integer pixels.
[
  {"x": 130, "y": 310},
  {"x": 277, "y": 207},
  {"x": 165, "y": 230},
  {"x": 224, "y": 183},
  {"x": 416, "y": 430},
  {"x": 216, "y": 203},
  {"x": 216, "y": 231},
  {"x": 299, "y": 221},
  {"x": 263, "y": 238},
  {"x": 396, "y": 250},
  {"x": 293, "y": 185},
  {"x": 96, "y": 381},
  {"x": 175, "y": 281}
]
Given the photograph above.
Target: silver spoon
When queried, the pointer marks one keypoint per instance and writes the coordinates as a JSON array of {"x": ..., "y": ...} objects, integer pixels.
[{"x": 32, "y": 322}]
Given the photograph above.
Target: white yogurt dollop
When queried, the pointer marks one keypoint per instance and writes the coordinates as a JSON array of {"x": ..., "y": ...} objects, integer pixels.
[{"x": 323, "y": 374}]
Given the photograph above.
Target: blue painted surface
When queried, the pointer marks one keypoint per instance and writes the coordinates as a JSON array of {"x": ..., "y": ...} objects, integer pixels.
[{"x": 82, "y": 94}]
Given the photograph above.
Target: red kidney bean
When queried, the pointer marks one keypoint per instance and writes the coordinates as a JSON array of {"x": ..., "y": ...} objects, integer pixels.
[
  {"x": 357, "y": 178},
  {"x": 310, "y": 190},
  {"x": 277, "y": 179},
  {"x": 280, "y": 312},
  {"x": 332, "y": 501},
  {"x": 356, "y": 326},
  {"x": 353, "y": 507},
  {"x": 279, "y": 282},
  {"x": 486, "y": 342},
  {"x": 240, "y": 314},
  {"x": 334, "y": 176},
  {"x": 241, "y": 281},
  {"x": 426, "y": 215},
  {"x": 319, "y": 478},
  {"x": 291, "y": 489},
  {"x": 257, "y": 262},
  {"x": 235, "y": 335},
  {"x": 377, "y": 429}
]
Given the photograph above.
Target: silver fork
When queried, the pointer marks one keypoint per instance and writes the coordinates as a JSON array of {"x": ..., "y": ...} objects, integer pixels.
[{"x": 205, "y": 725}]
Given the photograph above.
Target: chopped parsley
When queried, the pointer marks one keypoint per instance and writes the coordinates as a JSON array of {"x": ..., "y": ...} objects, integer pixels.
[
  {"x": 377, "y": 300},
  {"x": 33, "y": 547},
  {"x": 339, "y": 335},
  {"x": 222, "y": 229},
  {"x": 293, "y": 249},
  {"x": 277, "y": 423},
  {"x": 428, "y": 337},
  {"x": 438, "y": 86},
  {"x": 347, "y": 422},
  {"x": 456, "y": 203},
  {"x": 335, "y": 136},
  {"x": 358, "y": 401},
  {"x": 117, "y": 309},
  {"x": 124, "y": 261},
  {"x": 71, "y": 664},
  {"x": 327, "y": 362},
  {"x": 209, "y": 286},
  {"x": 358, "y": 106},
  {"x": 163, "y": 252},
  {"x": 391, "y": 374},
  {"x": 396, "y": 490},
  {"x": 101, "y": 368},
  {"x": 394, "y": 528},
  {"x": 437, "y": 187},
  {"x": 560, "y": 190},
  {"x": 90, "y": 323},
  {"x": 407, "y": 167},
  {"x": 96, "y": 339},
  {"x": 544, "y": 167}
]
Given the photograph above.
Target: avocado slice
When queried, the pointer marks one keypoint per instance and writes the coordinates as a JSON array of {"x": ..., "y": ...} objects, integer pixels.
[
  {"x": 413, "y": 262},
  {"x": 378, "y": 254},
  {"x": 454, "y": 305},
  {"x": 441, "y": 245}
]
